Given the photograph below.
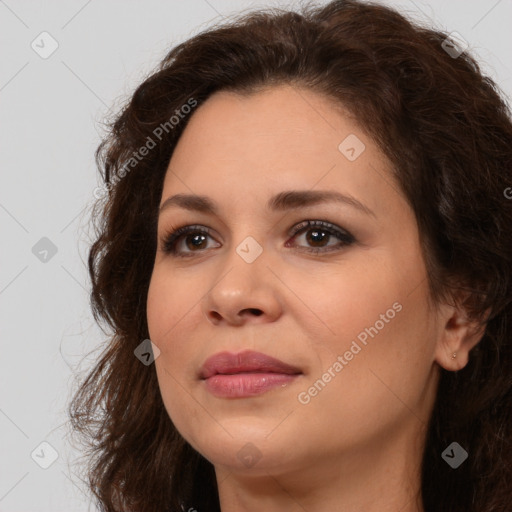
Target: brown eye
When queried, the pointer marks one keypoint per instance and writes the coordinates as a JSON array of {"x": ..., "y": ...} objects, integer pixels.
[
  {"x": 186, "y": 240},
  {"x": 318, "y": 234}
]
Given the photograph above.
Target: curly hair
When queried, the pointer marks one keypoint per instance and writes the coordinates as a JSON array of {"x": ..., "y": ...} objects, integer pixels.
[{"x": 447, "y": 130}]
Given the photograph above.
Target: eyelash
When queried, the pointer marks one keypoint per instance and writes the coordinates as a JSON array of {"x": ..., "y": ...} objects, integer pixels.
[{"x": 170, "y": 239}]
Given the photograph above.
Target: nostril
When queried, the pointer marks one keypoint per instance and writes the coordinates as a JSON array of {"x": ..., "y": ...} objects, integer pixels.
[
  {"x": 255, "y": 311},
  {"x": 216, "y": 315}
]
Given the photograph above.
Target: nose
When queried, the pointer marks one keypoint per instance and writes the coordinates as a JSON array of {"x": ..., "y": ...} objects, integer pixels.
[{"x": 244, "y": 292}]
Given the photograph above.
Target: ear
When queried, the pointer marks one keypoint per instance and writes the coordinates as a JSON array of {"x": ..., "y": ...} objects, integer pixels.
[{"x": 457, "y": 336}]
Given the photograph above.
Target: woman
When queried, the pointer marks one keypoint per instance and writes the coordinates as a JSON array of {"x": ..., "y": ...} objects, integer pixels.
[{"x": 305, "y": 258}]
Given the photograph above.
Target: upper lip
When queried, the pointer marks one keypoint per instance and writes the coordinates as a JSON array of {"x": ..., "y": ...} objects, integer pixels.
[{"x": 226, "y": 363}]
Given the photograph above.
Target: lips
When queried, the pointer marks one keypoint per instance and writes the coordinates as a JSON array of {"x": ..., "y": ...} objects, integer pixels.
[
  {"x": 226, "y": 363},
  {"x": 245, "y": 375}
]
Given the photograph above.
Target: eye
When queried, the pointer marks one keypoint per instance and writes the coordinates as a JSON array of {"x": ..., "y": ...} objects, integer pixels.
[
  {"x": 190, "y": 237},
  {"x": 187, "y": 240},
  {"x": 319, "y": 233}
]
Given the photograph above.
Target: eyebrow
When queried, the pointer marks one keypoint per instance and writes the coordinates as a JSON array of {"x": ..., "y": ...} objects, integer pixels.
[{"x": 287, "y": 200}]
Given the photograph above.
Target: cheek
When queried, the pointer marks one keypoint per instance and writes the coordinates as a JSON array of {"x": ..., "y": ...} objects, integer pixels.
[
  {"x": 346, "y": 300},
  {"x": 166, "y": 306},
  {"x": 160, "y": 306},
  {"x": 379, "y": 323},
  {"x": 169, "y": 302},
  {"x": 188, "y": 416},
  {"x": 169, "y": 316}
]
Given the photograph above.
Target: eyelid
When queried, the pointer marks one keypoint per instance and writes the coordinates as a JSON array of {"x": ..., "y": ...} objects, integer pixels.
[
  {"x": 172, "y": 235},
  {"x": 296, "y": 228}
]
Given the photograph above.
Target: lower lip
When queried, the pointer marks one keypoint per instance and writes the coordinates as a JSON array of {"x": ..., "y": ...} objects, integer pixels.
[{"x": 246, "y": 384}]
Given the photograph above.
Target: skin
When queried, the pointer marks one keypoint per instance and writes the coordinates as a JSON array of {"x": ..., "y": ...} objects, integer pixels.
[{"x": 357, "y": 444}]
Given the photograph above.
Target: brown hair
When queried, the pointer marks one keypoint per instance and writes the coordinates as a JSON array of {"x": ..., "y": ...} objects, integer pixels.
[{"x": 447, "y": 130}]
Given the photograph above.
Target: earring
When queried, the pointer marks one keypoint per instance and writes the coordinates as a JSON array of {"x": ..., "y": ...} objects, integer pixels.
[{"x": 454, "y": 355}]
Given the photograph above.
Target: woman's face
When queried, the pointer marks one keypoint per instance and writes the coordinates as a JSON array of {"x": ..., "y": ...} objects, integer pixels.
[{"x": 343, "y": 303}]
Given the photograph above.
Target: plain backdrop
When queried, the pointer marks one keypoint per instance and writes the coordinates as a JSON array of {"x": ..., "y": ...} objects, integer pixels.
[{"x": 51, "y": 109}]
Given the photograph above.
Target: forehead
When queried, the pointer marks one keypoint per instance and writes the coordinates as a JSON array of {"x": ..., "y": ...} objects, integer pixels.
[
  {"x": 279, "y": 138},
  {"x": 279, "y": 118}
]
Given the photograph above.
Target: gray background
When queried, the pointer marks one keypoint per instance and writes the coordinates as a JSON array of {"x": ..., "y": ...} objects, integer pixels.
[{"x": 51, "y": 112}]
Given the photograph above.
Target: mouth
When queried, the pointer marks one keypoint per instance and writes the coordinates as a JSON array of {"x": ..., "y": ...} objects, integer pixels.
[{"x": 245, "y": 374}]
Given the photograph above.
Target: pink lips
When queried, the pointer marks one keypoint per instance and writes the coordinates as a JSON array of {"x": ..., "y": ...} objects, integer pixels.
[{"x": 245, "y": 374}]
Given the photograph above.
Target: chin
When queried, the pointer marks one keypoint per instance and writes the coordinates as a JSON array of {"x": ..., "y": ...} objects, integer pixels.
[{"x": 252, "y": 445}]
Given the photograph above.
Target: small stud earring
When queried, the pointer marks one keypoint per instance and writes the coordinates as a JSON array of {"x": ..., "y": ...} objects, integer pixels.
[{"x": 454, "y": 355}]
